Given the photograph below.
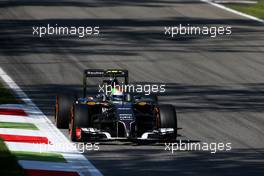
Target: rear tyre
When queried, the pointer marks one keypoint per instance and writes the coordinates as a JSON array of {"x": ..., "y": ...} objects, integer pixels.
[
  {"x": 168, "y": 118},
  {"x": 62, "y": 110},
  {"x": 79, "y": 119}
]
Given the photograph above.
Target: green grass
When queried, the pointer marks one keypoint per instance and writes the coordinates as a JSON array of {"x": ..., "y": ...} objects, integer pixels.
[
  {"x": 26, "y": 126},
  {"x": 8, "y": 162},
  {"x": 5, "y": 96},
  {"x": 256, "y": 10},
  {"x": 38, "y": 156}
]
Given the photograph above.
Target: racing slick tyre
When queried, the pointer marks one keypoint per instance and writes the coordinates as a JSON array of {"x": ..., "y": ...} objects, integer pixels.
[
  {"x": 79, "y": 119},
  {"x": 62, "y": 110},
  {"x": 168, "y": 118}
]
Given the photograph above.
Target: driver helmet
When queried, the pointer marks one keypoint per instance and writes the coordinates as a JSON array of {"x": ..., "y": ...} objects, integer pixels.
[
  {"x": 117, "y": 94},
  {"x": 114, "y": 82}
]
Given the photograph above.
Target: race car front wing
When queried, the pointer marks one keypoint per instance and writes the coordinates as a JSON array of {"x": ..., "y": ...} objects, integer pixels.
[{"x": 91, "y": 134}]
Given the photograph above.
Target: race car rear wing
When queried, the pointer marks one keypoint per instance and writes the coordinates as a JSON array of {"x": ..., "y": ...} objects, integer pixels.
[{"x": 111, "y": 73}]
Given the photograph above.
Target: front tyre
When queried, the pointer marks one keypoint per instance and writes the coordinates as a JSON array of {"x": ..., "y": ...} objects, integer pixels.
[
  {"x": 62, "y": 110},
  {"x": 79, "y": 119},
  {"x": 168, "y": 118}
]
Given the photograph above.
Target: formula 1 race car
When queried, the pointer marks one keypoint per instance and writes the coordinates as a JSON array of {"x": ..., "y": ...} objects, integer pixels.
[{"x": 116, "y": 115}]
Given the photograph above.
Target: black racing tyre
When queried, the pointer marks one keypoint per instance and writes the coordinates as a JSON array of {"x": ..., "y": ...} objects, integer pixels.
[
  {"x": 79, "y": 119},
  {"x": 168, "y": 118},
  {"x": 62, "y": 110}
]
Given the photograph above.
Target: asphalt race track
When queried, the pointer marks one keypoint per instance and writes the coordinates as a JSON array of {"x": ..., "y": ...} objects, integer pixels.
[{"x": 216, "y": 84}]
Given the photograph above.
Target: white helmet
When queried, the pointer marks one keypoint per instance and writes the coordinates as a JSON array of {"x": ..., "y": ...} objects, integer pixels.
[{"x": 117, "y": 94}]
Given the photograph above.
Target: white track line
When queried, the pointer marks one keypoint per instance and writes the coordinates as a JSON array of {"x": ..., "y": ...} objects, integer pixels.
[
  {"x": 27, "y": 147},
  {"x": 47, "y": 127},
  {"x": 5, "y": 118},
  {"x": 42, "y": 148},
  {"x": 21, "y": 132},
  {"x": 233, "y": 11}
]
